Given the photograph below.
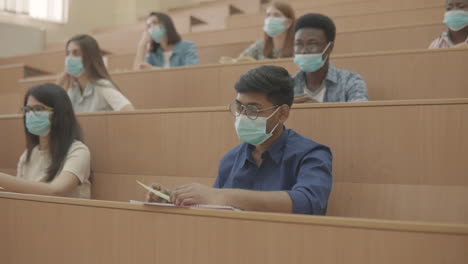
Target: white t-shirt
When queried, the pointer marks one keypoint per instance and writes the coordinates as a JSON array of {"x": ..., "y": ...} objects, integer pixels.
[
  {"x": 77, "y": 162},
  {"x": 100, "y": 96},
  {"x": 167, "y": 59},
  {"x": 318, "y": 95}
]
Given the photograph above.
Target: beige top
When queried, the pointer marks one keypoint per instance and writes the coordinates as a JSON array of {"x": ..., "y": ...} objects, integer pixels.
[
  {"x": 101, "y": 96},
  {"x": 77, "y": 162}
]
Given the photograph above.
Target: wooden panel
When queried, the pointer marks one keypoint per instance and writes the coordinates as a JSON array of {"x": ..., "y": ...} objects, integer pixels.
[
  {"x": 123, "y": 233},
  {"x": 302, "y": 4},
  {"x": 420, "y": 76},
  {"x": 441, "y": 203},
  {"x": 211, "y": 55},
  {"x": 387, "y": 39},
  {"x": 51, "y": 62},
  {"x": 340, "y": 12},
  {"x": 120, "y": 62},
  {"x": 9, "y": 76},
  {"x": 10, "y": 96},
  {"x": 12, "y": 135}
]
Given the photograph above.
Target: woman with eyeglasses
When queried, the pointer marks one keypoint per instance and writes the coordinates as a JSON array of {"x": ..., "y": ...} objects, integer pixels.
[
  {"x": 86, "y": 79},
  {"x": 56, "y": 162}
]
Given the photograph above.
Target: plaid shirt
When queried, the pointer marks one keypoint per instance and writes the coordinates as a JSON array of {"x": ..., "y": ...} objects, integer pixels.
[
  {"x": 341, "y": 85},
  {"x": 444, "y": 42}
]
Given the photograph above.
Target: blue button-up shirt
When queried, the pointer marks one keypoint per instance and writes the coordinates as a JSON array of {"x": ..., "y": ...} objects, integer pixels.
[
  {"x": 184, "y": 53},
  {"x": 295, "y": 164},
  {"x": 341, "y": 85}
]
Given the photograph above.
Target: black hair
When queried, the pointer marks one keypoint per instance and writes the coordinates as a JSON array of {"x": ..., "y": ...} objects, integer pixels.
[
  {"x": 64, "y": 128},
  {"x": 172, "y": 36},
  {"x": 318, "y": 21},
  {"x": 273, "y": 81}
]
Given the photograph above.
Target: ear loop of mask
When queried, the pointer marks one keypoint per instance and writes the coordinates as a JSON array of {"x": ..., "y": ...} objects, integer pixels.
[{"x": 277, "y": 124}]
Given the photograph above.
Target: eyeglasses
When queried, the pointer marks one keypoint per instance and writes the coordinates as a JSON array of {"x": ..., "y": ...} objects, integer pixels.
[
  {"x": 36, "y": 108},
  {"x": 251, "y": 111}
]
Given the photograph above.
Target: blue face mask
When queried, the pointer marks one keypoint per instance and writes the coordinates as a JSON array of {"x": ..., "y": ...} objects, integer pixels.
[
  {"x": 157, "y": 33},
  {"x": 253, "y": 131},
  {"x": 274, "y": 26},
  {"x": 74, "y": 66},
  {"x": 38, "y": 123},
  {"x": 456, "y": 20},
  {"x": 310, "y": 62}
]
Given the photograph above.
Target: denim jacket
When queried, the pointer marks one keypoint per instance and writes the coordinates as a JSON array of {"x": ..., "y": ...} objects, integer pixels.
[{"x": 184, "y": 53}]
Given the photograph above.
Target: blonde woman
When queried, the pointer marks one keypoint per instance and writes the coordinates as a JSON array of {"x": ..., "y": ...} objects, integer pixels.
[
  {"x": 279, "y": 34},
  {"x": 86, "y": 79}
]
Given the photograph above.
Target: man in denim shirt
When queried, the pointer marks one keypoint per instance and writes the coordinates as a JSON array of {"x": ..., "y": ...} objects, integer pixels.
[
  {"x": 275, "y": 169},
  {"x": 319, "y": 81}
]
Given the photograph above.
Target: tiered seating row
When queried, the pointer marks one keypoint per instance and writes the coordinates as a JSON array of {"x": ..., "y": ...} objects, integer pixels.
[
  {"x": 389, "y": 76},
  {"x": 363, "y": 9},
  {"x": 388, "y": 156}
]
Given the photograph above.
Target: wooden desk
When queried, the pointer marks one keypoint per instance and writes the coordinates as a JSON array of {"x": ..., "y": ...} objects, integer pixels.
[
  {"x": 401, "y": 160},
  {"x": 58, "y": 230}
]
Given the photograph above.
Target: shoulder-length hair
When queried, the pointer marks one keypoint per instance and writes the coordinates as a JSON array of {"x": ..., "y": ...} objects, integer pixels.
[
  {"x": 92, "y": 58},
  {"x": 64, "y": 128},
  {"x": 171, "y": 32},
  {"x": 287, "y": 50}
]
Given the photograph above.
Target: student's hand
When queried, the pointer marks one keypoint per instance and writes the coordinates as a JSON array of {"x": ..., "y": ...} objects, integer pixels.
[
  {"x": 65, "y": 80},
  {"x": 145, "y": 38},
  {"x": 461, "y": 45},
  {"x": 153, "y": 198},
  {"x": 145, "y": 66},
  {"x": 195, "y": 193},
  {"x": 304, "y": 99}
]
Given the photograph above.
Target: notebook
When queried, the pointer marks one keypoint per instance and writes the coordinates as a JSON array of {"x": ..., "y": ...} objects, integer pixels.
[{"x": 203, "y": 206}]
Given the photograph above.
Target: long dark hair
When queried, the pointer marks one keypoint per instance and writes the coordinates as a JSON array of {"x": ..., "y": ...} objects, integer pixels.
[
  {"x": 92, "y": 58},
  {"x": 171, "y": 32},
  {"x": 64, "y": 128},
  {"x": 287, "y": 50}
]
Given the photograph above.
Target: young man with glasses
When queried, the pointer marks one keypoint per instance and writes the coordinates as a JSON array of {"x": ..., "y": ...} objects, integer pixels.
[{"x": 275, "y": 169}]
